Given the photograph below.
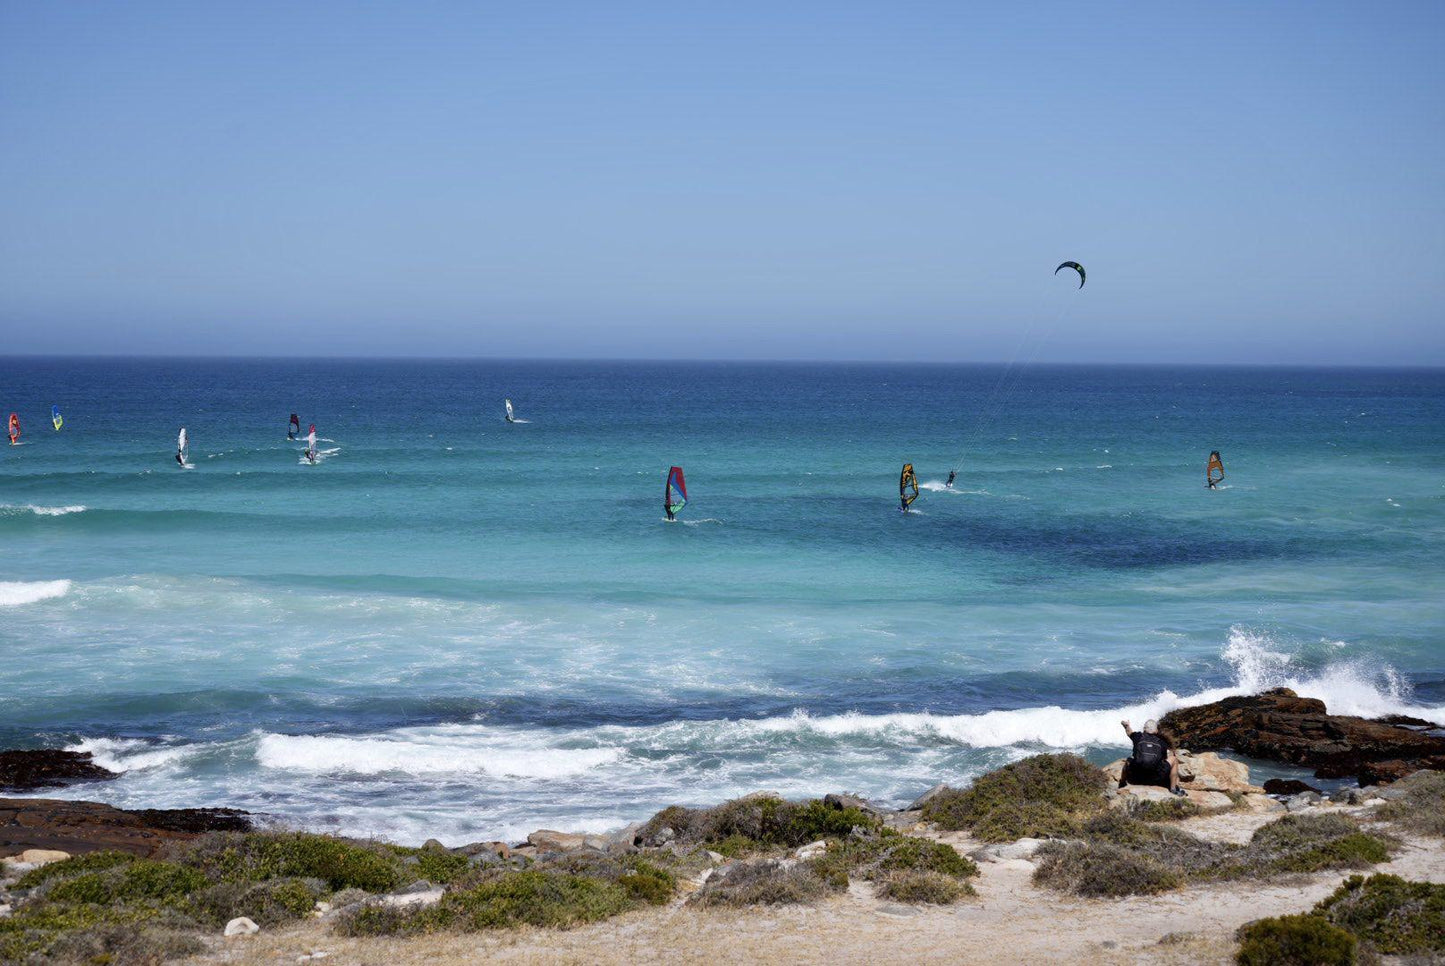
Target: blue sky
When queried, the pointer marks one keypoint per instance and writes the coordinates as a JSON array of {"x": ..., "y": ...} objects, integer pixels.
[{"x": 1245, "y": 182}]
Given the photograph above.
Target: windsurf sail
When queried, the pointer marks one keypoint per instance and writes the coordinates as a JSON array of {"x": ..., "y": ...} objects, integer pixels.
[
  {"x": 311, "y": 443},
  {"x": 1216, "y": 465},
  {"x": 56, "y": 419},
  {"x": 674, "y": 494},
  {"x": 14, "y": 428},
  {"x": 294, "y": 427},
  {"x": 907, "y": 487},
  {"x": 182, "y": 450},
  {"x": 510, "y": 417}
]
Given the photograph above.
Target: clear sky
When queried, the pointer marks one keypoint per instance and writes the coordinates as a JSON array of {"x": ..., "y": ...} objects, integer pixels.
[{"x": 1245, "y": 182}]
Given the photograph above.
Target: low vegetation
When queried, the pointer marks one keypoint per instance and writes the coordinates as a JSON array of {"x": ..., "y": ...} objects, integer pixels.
[
  {"x": 1045, "y": 796},
  {"x": 1422, "y": 809},
  {"x": 755, "y": 825},
  {"x": 1173, "y": 810},
  {"x": 766, "y": 882},
  {"x": 1117, "y": 854},
  {"x": 1294, "y": 941},
  {"x": 1389, "y": 914}
]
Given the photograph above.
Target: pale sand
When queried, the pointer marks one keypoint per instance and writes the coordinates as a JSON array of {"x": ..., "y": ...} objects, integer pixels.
[{"x": 1011, "y": 921}]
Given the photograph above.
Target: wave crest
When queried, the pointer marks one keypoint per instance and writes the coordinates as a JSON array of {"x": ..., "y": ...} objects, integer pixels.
[{"x": 20, "y": 593}]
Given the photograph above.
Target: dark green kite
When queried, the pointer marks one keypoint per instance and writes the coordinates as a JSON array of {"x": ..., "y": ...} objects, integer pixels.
[{"x": 1076, "y": 267}]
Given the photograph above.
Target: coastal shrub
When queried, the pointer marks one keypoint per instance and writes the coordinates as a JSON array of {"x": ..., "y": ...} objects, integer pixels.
[
  {"x": 1390, "y": 914},
  {"x": 537, "y": 898},
  {"x": 756, "y": 823},
  {"x": 1173, "y": 810},
  {"x": 1422, "y": 810},
  {"x": 1039, "y": 797},
  {"x": 1294, "y": 941},
  {"x": 267, "y": 903},
  {"x": 1174, "y": 848},
  {"x": 123, "y": 945},
  {"x": 933, "y": 888},
  {"x": 647, "y": 882},
  {"x": 766, "y": 883},
  {"x": 1305, "y": 843},
  {"x": 881, "y": 856},
  {"x": 254, "y": 856},
  {"x": 138, "y": 881},
  {"x": 1101, "y": 869},
  {"x": 436, "y": 865},
  {"x": 380, "y": 920},
  {"x": 37, "y": 926},
  {"x": 75, "y": 865}
]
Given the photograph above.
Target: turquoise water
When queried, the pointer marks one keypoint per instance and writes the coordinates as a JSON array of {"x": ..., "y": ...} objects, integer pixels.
[{"x": 457, "y": 627}]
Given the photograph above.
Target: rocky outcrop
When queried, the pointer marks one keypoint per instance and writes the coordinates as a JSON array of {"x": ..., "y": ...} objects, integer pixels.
[
  {"x": 25, "y": 771},
  {"x": 1279, "y": 725},
  {"x": 76, "y": 827}
]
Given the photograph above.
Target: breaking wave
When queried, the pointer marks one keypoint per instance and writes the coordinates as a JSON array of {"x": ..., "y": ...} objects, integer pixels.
[{"x": 20, "y": 593}]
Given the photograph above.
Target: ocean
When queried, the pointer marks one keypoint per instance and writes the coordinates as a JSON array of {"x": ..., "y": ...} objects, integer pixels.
[{"x": 458, "y": 628}]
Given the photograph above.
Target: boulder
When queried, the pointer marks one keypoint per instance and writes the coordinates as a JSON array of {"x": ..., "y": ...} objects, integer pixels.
[
  {"x": 1009, "y": 851},
  {"x": 546, "y": 840},
  {"x": 1211, "y": 772},
  {"x": 79, "y": 827},
  {"x": 241, "y": 926},
  {"x": 1288, "y": 787},
  {"x": 1279, "y": 725},
  {"x": 414, "y": 896},
  {"x": 1302, "y": 801},
  {"x": 25, "y": 771},
  {"x": 926, "y": 797},
  {"x": 39, "y": 857},
  {"x": 500, "y": 849},
  {"x": 843, "y": 801},
  {"x": 624, "y": 839},
  {"x": 811, "y": 850}
]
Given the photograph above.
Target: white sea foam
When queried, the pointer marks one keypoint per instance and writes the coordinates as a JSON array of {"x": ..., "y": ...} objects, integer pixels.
[
  {"x": 43, "y": 511},
  {"x": 20, "y": 593},
  {"x": 440, "y": 750},
  {"x": 129, "y": 754}
]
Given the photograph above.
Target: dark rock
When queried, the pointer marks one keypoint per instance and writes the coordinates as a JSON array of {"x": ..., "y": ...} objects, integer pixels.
[
  {"x": 1279, "y": 725},
  {"x": 1287, "y": 786},
  {"x": 24, "y": 771},
  {"x": 78, "y": 827},
  {"x": 841, "y": 802}
]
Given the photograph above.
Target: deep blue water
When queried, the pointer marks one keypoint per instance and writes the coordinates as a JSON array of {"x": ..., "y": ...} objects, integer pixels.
[{"x": 460, "y": 627}]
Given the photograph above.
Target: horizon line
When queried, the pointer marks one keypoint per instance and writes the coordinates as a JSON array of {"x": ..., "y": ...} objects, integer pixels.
[{"x": 204, "y": 357}]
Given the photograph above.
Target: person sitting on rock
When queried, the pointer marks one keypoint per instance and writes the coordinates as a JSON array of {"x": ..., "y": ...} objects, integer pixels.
[{"x": 1153, "y": 761}]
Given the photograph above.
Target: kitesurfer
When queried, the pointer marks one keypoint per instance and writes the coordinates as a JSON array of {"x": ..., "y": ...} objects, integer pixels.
[
  {"x": 951, "y": 475},
  {"x": 1153, "y": 761}
]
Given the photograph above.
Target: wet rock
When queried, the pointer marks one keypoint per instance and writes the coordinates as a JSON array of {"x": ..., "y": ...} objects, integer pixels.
[
  {"x": 241, "y": 926},
  {"x": 1288, "y": 787},
  {"x": 79, "y": 827},
  {"x": 927, "y": 797},
  {"x": 1279, "y": 725},
  {"x": 25, "y": 771}
]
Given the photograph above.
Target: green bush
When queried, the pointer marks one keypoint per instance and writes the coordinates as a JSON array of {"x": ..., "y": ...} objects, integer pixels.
[
  {"x": 75, "y": 865},
  {"x": 123, "y": 946},
  {"x": 1294, "y": 941},
  {"x": 379, "y": 920},
  {"x": 138, "y": 881},
  {"x": 267, "y": 903},
  {"x": 1100, "y": 869},
  {"x": 1305, "y": 843},
  {"x": 766, "y": 883},
  {"x": 1173, "y": 810},
  {"x": 433, "y": 864},
  {"x": 255, "y": 856},
  {"x": 555, "y": 899},
  {"x": 932, "y": 888},
  {"x": 648, "y": 883},
  {"x": 1392, "y": 915},
  {"x": 744, "y": 826},
  {"x": 1039, "y": 797}
]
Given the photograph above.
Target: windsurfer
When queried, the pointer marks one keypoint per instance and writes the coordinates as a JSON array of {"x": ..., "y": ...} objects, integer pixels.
[{"x": 294, "y": 428}]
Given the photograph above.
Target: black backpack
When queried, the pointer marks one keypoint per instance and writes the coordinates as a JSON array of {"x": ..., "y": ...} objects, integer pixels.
[{"x": 1148, "y": 750}]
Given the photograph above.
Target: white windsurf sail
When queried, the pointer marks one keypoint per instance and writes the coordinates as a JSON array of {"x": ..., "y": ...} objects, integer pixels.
[
  {"x": 183, "y": 454},
  {"x": 511, "y": 417},
  {"x": 311, "y": 443}
]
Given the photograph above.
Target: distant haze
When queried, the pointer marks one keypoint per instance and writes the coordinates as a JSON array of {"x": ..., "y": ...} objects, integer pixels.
[{"x": 1252, "y": 183}]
